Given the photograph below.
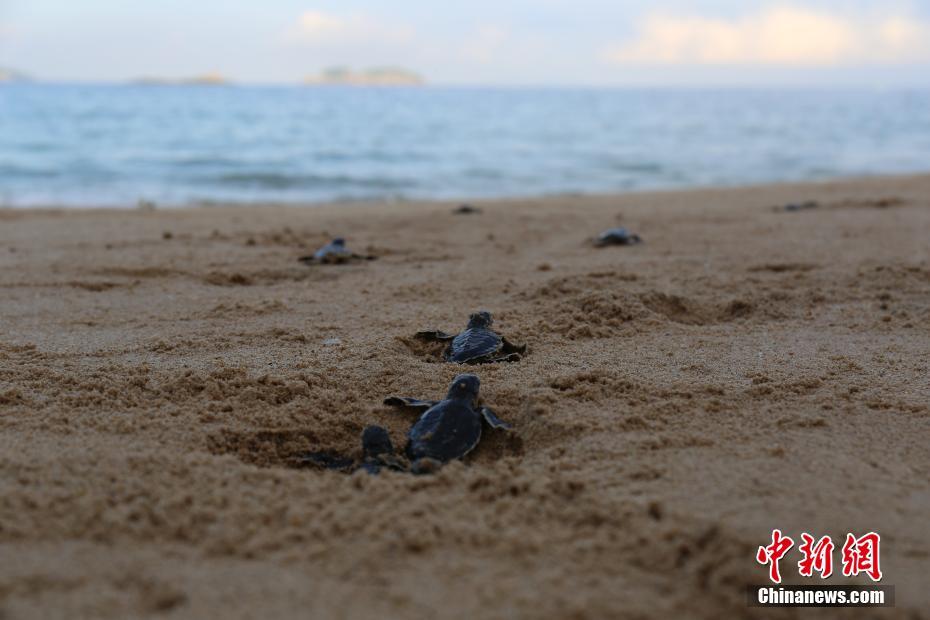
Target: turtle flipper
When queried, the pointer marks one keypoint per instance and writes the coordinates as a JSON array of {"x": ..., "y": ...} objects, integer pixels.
[
  {"x": 493, "y": 421},
  {"x": 336, "y": 259},
  {"x": 308, "y": 260},
  {"x": 325, "y": 460},
  {"x": 509, "y": 352},
  {"x": 508, "y": 347},
  {"x": 510, "y": 357},
  {"x": 406, "y": 401},
  {"x": 434, "y": 335}
]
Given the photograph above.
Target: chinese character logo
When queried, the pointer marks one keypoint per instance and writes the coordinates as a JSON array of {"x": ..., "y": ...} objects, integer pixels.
[
  {"x": 773, "y": 553},
  {"x": 817, "y": 557},
  {"x": 860, "y": 555}
]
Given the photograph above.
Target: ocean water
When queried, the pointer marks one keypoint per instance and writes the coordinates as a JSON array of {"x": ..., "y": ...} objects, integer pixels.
[{"x": 112, "y": 145}]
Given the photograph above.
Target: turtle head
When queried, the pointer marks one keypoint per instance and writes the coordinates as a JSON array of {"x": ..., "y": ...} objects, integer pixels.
[
  {"x": 482, "y": 318},
  {"x": 464, "y": 387},
  {"x": 375, "y": 442},
  {"x": 340, "y": 241}
]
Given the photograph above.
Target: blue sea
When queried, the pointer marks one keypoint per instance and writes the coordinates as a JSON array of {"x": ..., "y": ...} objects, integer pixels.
[{"x": 113, "y": 145}]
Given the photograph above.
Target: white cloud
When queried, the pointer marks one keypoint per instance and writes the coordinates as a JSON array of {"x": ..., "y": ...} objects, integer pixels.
[
  {"x": 321, "y": 28},
  {"x": 317, "y": 23},
  {"x": 780, "y": 35}
]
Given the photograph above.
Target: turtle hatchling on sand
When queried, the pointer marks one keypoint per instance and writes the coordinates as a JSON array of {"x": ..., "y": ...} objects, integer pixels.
[
  {"x": 377, "y": 454},
  {"x": 378, "y": 451},
  {"x": 616, "y": 236},
  {"x": 800, "y": 206},
  {"x": 333, "y": 253},
  {"x": 478, "y": 344},
  {"x": 448, "y": 429}
]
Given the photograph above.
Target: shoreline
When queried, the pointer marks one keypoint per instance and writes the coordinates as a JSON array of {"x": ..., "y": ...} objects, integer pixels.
[
  {"x": 745, "y": 368},
  {"x": 825, "y": 183}
]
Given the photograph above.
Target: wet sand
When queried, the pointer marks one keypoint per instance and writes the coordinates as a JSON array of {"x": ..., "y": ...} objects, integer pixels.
[{"x": 743, "y": 369}]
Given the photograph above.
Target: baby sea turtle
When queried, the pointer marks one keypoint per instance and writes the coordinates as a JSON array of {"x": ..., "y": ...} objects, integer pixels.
[
  {"x": 378, "y": 451},
  {"x": 478, "y": 344},
  {"x": 448, "y": 429},
  {"x": 466, "y": 209},
  {"x": 616, "y": 236},
  {"x": 801, "y": 206},
  {"x": 377, "y": 454},
  {"x": 333, "y": 253}
]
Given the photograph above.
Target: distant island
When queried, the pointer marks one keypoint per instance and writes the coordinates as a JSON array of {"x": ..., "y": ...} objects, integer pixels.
[
  {"x": 11, "y": 75},
  {"x": 207, "y": 79},
  {"x": 379, "y": 76}
]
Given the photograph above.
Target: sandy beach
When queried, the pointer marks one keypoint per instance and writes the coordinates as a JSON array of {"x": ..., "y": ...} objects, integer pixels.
[{"x": 744, "y": 369}]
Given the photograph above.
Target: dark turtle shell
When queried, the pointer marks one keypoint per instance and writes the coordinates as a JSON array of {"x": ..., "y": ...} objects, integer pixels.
[
  {"x": 447, "y": 431},
  {"x": 801, "y": 206},
  {"x": 473, "y": 343},
  {"x": 617, "y": 236}
]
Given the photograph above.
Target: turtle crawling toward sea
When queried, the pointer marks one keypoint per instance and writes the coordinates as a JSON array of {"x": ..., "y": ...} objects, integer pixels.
[
  {"x": 466, "y": 209},
  {"x": 478, "y": 344},
  {"x": 799, "y": 206},
  {"x": 333, "y": 253},
  {"x": 377, "y": 454},
  {"x": 616, "y": 236},
  {"x": 448, "y": 429}
]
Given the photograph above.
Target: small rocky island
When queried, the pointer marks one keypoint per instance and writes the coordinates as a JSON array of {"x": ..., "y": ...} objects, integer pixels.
[
  {"x": 379, "y": 76},
  {"x": 11, "y": 75},
  {"x": 207, "y": 79}
]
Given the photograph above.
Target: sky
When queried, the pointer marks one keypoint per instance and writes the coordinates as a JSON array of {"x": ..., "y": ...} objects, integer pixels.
[{"x": 478, "y": 42}]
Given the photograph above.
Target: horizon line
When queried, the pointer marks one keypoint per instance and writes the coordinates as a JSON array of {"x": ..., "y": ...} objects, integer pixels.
[{"x": 660, "y": 85}]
